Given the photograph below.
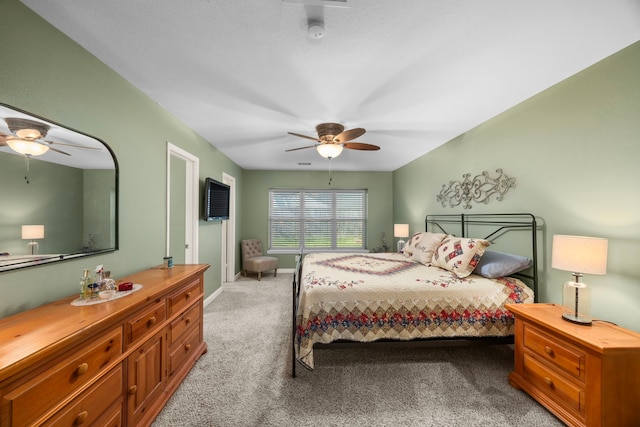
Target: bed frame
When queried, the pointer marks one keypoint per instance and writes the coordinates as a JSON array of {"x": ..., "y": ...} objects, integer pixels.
[{"x": 493, "y": 226}]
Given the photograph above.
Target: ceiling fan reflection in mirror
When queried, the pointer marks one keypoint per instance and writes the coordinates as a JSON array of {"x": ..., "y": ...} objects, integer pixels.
[
  {"x": 333, "y": 138},
  {"x": 28, "y": 139}
]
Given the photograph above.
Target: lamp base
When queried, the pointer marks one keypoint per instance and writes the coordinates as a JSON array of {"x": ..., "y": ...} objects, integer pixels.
[
  {"x": 32, "y": 248},
  {"x": 401, "y": 244},
  {"x": 576, "y": 319}
]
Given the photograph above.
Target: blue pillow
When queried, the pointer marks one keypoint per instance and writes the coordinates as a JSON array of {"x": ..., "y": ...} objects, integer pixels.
[{"x": 496, "y": 264}]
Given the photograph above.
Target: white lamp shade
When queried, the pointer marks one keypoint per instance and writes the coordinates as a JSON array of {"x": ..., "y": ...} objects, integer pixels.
[
  {"x": 329, "y": 151},
  {"x": 579, "y": 254},
  {"x": 33, "y": 232},
  {"x": 24, "y": 146},
  {"x": 401, "y": 230}
]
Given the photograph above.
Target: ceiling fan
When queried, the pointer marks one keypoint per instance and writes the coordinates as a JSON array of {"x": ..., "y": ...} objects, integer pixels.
[
  {"x": 28, "y": 138},
  {"x": 332, "y": 139}
]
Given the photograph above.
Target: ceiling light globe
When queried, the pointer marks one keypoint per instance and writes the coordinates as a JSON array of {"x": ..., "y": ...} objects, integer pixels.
[
  {"x": 329, "y": 151},
  {"x": 29, "y": 133},
  {"x": 27, "y": 147}
]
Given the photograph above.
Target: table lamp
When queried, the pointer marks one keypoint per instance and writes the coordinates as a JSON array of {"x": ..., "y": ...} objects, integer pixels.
[
  {"x": 32, "y": 232},
  {"x": 578, "y": 255},
  {"x": 402, "y": 231}
]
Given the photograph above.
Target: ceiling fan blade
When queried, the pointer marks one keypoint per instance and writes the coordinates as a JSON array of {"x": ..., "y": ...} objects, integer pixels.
[
  {"x": 361, "y": 146},
  {"x": 349, "y": 134},
  {"x": 3, "y": 139},
  {"x": 301, "y": 148},
  {"x": 304, "y": 136},
  {"x": 72, "y": 145}
]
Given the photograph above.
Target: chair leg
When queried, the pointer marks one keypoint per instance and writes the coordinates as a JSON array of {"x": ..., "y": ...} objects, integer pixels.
[
  {"x": 275, "y": 273},
  {"x": 259, "y": 275}
]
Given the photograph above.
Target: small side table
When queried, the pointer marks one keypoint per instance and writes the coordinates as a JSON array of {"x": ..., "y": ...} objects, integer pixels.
[{"x": 585, "y": 375}]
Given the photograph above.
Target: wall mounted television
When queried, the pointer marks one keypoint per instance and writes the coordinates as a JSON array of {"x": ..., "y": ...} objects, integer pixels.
[{"x": 216, "y": 200}]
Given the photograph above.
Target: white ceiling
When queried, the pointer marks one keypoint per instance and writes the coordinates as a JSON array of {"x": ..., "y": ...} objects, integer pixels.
[{"x": 414, "y": 73}]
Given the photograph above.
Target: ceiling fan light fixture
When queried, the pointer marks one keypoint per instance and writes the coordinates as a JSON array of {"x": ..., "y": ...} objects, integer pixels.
[
  {"x": 29, "y": 133},
  {"x": 329, "y": 151},
  {"x": 26, "y": 147}
]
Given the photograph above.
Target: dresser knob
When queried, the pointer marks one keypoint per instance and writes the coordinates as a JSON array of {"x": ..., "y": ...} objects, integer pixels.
[
  {"x": 187, "y": 347},
  {"x": 133, "y": 389},
  {"x": 549, "y": 382},
  {"x": 151, "y": 322},
  {"x": 187, "y": 320},
  {"x": 81, "y": 369},
  {"x": 81, "y": 417},
  {"x": 188, "y": 295},
  {"x": 548, "y": 350}
]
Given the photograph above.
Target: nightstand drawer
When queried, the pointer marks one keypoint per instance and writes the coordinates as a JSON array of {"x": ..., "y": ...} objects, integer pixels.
[
  {"x": 569, "y": 359},
  {"x": 552, "y": 384}
]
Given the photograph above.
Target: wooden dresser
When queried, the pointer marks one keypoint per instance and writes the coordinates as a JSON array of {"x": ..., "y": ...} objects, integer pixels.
[
  {"x": 111, "y": 364},
  {"x": 585, "y": 375}
]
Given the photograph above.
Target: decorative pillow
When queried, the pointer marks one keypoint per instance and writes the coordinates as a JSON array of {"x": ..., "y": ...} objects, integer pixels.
[
  {"x": 497, "y": 264},
  {"x": 426, "y": 247},
  {"x": 459, "y": 255},
  {"x": 410, "y": 246}
]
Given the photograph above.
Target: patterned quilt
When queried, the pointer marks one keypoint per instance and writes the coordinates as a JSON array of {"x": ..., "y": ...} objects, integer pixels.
[{"x": 366, "y": 297}]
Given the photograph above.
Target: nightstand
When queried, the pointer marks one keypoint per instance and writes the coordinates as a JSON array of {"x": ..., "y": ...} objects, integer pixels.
[{"x": 585, "y": 375}]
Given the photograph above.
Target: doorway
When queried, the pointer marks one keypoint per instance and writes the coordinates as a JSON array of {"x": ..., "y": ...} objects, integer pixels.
[
  {"x": 183, "y": 171},
  {"x": 228, "y": 234}
]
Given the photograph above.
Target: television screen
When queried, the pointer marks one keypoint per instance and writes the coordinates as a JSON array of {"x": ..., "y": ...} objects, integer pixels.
[{"x": 216, "y": 200}]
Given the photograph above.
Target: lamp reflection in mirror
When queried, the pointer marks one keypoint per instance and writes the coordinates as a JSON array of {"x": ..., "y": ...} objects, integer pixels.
[
  {"x": 32, "y": 232},
  {"x": 329, "y": 151},
  {"x": 402, "y": 231},
  {"x": 578, "y": 255}
]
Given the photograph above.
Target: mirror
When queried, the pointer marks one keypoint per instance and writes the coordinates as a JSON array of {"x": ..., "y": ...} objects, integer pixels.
[{"x": 59, "y": 192}]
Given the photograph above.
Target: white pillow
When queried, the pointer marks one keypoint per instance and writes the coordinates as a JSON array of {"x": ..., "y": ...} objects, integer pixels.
[
  {"x": 497, "y": 264},
  {"x": 426, "y": 247}
]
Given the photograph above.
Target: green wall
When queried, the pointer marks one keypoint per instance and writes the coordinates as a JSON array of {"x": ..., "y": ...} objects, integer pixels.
[
  {"x": 255, "y": 216},
  {"x": 44, "y": 72},
  {"x": 574, "y": 150}
]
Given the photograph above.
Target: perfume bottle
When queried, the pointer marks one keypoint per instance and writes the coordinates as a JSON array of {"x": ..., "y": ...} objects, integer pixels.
[
  {"x": 107, "y": 283},
  {"x": 85, "y": 286}
]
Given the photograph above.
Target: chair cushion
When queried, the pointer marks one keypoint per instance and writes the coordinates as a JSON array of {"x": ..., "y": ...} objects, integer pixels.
[{"x": 261, "y": 263}]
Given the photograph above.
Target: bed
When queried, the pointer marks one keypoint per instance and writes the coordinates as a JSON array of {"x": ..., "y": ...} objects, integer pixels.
[{"x": 445, "y": 286}]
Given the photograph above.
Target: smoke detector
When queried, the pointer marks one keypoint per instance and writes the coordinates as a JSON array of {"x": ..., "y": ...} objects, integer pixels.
[{"x": 316, "y": 30}]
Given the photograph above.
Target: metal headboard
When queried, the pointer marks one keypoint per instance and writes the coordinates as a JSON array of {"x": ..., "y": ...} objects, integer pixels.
[{"x": 462, "y": 225}]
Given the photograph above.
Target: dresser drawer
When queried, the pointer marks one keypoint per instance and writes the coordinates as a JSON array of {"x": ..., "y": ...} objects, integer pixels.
[
  {"x": 88, "y": 408},
  {"x": 33, "y": 398},
  {"x": 146, "y": 321},
  {"x": 183, "y": 350},
  {"x": 184, "y": 297},
  {"x": 180, "y": 326},
  {"x": 567, "y": 358},
  {"x": 553, "y": 385}
]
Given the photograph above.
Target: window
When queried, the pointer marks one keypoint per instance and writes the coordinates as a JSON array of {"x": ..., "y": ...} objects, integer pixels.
[{"x": 325, "y": 220}]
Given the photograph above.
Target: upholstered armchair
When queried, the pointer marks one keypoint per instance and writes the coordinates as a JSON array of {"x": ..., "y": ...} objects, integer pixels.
[{"x": 254, "y": 260}]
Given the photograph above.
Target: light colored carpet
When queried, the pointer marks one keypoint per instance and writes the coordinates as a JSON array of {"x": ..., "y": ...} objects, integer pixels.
[{"x": 243, "y": 380}]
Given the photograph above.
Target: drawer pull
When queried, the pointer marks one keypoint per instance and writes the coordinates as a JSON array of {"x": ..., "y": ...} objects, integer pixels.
[
  {"x": 549, "y": 382},
  {"x": 548, "y": 350},
  {"x": 81, "y": 418},
  {"x": 187, "y": 320},
  {"x": 81, "y": 369},
  {"x": 187, "y": 347},
  {"x": 151, "y": 322},
  {"x": 133, "y": 389},
  {"x": 188, "y": 295}
]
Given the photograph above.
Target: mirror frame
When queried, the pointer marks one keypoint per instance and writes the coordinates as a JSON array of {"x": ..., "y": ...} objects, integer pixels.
[{"x": 63, "y": 257}]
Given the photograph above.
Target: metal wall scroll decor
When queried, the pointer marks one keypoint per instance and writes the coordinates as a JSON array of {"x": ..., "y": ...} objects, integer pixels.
[{"x": 478, "y": 189}]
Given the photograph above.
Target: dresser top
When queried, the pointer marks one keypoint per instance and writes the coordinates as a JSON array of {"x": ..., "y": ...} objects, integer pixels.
[{"x": 601, "y": 336}]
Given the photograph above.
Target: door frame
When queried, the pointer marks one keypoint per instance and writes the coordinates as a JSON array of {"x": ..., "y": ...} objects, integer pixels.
[{"x": 191, "y": 201}]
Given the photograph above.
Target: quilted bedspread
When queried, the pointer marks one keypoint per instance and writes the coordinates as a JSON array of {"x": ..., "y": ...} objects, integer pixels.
[{"x": 366, "y": 297}]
